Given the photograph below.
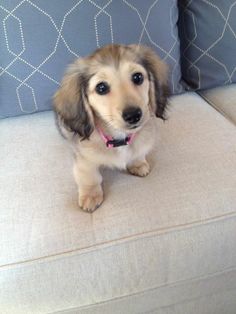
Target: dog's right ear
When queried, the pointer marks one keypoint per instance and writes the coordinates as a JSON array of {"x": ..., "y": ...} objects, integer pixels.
[
  {"x": 158, "y": 76},
  {"x": 71, "y": 101}
]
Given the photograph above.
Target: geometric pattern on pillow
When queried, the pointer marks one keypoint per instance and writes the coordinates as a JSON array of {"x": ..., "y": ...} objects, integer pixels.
[
  {"x": 208, "y": 42},
  {"x": 39, "y": 38}
]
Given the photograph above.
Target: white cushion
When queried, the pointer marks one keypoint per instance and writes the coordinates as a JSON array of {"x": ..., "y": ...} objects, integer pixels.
[
  {"x": 174, "y": 226},
  {"x": 222, "y": 98}
]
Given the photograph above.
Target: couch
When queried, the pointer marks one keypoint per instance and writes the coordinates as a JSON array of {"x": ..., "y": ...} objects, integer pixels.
[{"x": 163, "y": 244}]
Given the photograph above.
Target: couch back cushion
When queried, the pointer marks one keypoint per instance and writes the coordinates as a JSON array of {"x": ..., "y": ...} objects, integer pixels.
[
  {"x": 208, "y": 42},
  {"x": 39, "y": 38}
]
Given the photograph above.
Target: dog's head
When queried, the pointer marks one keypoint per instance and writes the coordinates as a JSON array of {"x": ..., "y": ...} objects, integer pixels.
[{"x": 121, "y": 85}]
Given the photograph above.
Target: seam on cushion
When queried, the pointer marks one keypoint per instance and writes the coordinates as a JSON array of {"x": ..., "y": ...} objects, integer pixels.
[
  {"x": 169, "y": 285},
  {"x": 131, "y": 238},
  {"x": 184, "y": 301},
  {"x": 221, "y": 111}
]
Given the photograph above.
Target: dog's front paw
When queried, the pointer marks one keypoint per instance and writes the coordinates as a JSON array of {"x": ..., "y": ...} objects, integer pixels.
[
  {"x": 90, "y": 200},
  {"x": 140, "y": 169}
]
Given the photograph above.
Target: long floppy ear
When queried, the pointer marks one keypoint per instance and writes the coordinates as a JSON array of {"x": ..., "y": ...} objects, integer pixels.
[
  {"x": 158, "y": 76},
  {"x": 71, "y": 101}
]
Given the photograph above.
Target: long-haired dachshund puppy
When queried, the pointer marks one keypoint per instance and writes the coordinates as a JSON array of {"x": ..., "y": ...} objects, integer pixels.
[{"x": 106, "y": 107}]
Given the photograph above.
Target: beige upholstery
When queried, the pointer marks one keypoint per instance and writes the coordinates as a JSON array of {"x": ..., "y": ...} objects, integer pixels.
[
  {"x": 223, "y": 99},
  {"x": 160, "y": 244}
]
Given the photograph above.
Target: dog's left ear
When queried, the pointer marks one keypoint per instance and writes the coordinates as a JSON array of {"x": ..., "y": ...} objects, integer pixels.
[{"x": 158, "y": 76}]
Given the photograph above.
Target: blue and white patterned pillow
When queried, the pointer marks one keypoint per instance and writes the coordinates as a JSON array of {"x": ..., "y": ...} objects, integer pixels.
[
  {"x": 208, "y": 42},
  {"x": 39, "y": 38}
]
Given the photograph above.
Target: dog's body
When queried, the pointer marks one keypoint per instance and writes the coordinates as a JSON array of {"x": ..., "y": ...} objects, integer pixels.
[{"x": 113, "y": 97}]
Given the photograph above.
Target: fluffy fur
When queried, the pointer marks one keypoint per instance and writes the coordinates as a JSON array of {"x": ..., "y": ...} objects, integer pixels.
[{"x": 80, "y": 110}]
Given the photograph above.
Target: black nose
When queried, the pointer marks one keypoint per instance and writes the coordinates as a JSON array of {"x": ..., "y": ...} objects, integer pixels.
[{"x": 132, "y": 115}]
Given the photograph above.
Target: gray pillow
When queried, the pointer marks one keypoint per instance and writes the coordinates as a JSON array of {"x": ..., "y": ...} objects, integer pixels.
[
  {"x": 39, "y": 38},
  {"x": 208, "y": 42}
]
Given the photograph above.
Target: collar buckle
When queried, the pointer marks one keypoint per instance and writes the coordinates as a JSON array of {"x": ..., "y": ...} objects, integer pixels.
[
  {"x": 111, "y": 142},
  {"x": 117, "y": 143}
]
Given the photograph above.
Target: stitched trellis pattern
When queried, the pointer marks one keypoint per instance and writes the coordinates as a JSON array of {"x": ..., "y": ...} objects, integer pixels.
[
  {"x": 208, "y": 41},
  {"x": 39, "y": 38}
]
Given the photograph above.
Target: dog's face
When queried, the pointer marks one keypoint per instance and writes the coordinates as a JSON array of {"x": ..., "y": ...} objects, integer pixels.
[
  {"x": 119, "y": 95},
  {"x": 120, "y": 85}
]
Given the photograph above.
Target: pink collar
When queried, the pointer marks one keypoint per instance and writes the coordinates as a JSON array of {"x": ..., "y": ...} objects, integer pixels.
[{"x": 111, "y": 142}]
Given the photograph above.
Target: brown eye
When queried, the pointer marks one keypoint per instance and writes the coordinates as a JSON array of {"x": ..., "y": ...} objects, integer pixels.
[
  {"x": 102, "y": 88},
  {"x": 137, "y": 78}
]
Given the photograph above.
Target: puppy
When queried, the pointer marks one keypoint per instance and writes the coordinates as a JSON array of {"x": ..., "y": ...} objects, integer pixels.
[{"x": 106, "y": 107}]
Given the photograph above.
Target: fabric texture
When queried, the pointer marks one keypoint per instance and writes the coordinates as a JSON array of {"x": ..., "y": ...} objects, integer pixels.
[
  {"x": 223, "y": 99},
  {"x": 198, "y": 296},
  {"x": 174, "y": 227},
  {"x": 40, "y": 38},
  {"x": 208, "y": 42}
]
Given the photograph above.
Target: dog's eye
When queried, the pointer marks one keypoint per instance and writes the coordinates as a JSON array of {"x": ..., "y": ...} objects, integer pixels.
[
  {"x": 137, "y": 78},
  {"x": 102, "y": 88}
]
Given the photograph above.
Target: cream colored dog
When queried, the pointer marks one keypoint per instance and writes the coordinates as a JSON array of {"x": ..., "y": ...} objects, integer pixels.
[{"x": 106, "y": 107}]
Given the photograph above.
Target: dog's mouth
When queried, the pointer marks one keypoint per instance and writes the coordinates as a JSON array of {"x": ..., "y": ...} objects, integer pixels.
[
  {"x": 134, "y": 127},
  {"x": 128, "y": 129},
  {"x": 124, "y": 128}
]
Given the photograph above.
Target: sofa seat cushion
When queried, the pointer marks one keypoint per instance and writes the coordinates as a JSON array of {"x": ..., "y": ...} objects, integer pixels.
[
  {"x": 177, "y": 224},
  {"x": 223, "y": 99}
]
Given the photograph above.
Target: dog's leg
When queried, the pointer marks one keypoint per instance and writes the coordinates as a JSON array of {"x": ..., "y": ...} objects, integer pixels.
[
  {"x": 89, "y": 181},
  {"x": 139, "y": 167}
]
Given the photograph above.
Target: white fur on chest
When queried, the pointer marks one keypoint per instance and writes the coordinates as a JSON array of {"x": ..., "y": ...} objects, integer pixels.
[{"x": 119, "y": 157}]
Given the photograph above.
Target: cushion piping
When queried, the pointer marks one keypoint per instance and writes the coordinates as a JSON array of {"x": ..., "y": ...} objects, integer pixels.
[
  {"x": 131, "y": 238},
  {"x": 221, "y": 111},
  {"x": 174, "y": 284}
]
